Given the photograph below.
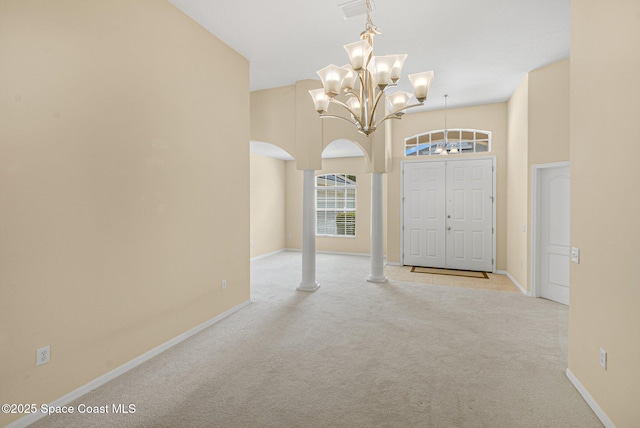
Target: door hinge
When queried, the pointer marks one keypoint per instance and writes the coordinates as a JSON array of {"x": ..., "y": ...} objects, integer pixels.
[
  {"x": 491, "y": 262},
  {"x": 492, "y": 231},
  {"x": 492, "y": 198},
  {"x": 493, "y": 168}
]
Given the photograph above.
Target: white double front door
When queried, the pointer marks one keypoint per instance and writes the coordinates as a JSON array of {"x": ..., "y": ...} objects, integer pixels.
[{"x": 448, "y": 214}]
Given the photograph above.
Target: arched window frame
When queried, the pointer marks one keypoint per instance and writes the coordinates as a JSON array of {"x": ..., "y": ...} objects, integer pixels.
[{"x": 465, "y": 140}]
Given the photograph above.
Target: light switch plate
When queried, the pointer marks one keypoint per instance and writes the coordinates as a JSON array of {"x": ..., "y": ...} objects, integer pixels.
[{"x": 575, "y": 255}]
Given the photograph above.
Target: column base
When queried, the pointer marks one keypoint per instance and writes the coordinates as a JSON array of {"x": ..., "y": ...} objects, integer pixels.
[
  {"x": 377, "y": 279},
  {"x": 308, "y": 287}
]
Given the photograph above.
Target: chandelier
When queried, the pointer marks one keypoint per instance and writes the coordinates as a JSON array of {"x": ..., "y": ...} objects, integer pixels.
[{"x": 364, "y": 82}]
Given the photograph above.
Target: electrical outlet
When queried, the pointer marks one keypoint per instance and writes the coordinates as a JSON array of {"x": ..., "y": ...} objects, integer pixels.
[
  {"x": 224, "y": 284},
  {"x": 43, "y": 355},
  {"x": 603, "y": 358}
]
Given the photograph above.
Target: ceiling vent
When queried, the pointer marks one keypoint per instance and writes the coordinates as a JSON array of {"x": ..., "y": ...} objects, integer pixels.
[{"x": 354, "y": 8}]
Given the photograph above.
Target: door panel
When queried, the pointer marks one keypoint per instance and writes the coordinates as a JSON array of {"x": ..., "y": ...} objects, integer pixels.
[
  {"x": 469, "y": 230},
  {"x": 555, "y": 247},
  {"x": 477, "y": 245},
  {"x": 424, "y": 214}
]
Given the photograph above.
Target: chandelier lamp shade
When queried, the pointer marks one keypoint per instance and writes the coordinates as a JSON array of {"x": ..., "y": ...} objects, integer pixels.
[{"x": 364, "y": 81}]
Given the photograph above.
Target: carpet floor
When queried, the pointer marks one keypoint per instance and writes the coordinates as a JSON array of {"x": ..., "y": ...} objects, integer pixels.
[{"x": 356, "y": 354}]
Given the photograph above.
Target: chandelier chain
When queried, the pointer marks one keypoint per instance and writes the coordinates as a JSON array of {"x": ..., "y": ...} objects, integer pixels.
[{"x": 370, "y": 25}]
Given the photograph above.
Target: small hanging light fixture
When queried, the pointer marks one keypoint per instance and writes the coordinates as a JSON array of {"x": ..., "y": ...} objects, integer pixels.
[
  {"x": 442, "y": 147},
  {"x": 453, "y": 147}
]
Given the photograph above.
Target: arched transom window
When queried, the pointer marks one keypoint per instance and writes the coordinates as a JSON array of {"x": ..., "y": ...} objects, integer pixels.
[{"x": 450, "y": 141}]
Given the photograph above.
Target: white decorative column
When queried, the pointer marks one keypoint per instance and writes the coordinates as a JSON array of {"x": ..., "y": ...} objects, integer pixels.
[
  {"x": 377, "y": 230},
  {"x": 309, "y": 233}
]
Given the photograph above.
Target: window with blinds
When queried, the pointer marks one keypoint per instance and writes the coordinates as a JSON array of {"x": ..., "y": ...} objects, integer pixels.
[{"x": 336, "y": 205}]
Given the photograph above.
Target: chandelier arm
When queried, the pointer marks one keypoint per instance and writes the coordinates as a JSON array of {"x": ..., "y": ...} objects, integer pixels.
[
  {"x": 393, "y": 115},
  {"x": 407, "y": 107},
  {"x": 389, "y": 116},
  {"x": 359, "y": 98},
  {"x": 411, "y": 106},
  {"x": 375, "y": 105},
  {"x": 335, "y": 116},
  {"x": 340, "y": 103},
  {"x": 361, "y": 78}
]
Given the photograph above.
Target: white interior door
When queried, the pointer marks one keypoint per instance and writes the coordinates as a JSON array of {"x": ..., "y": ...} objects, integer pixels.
[
  {"x": 448, "y": 214},
  {"x": 424, "y": 214},
  {"x": 470, "y": 215},
  {"x": 554, "y": 235}
]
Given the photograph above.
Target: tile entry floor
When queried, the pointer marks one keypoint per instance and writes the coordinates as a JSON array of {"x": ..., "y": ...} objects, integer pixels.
[{"x": 495, "y": 282}]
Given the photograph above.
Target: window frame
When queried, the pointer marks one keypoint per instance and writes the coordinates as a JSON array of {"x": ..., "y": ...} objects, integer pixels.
[
  {"x": 345, "y": 199},
  {"x": 426, "y": 140}
]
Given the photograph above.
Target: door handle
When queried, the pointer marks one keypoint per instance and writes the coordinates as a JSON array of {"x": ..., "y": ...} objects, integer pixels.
[{"x": 448, "y": 228}]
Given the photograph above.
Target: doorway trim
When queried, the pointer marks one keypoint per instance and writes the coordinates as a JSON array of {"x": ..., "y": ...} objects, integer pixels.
[
  {"x": 448, "y": 159},
  {"x": 535, "y": 220}
]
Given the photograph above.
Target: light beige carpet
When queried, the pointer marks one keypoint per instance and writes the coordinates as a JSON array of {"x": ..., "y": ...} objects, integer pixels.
[{"x": 357, "y": 354}]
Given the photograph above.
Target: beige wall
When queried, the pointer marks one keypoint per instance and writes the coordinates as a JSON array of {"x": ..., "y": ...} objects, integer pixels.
[
  {"x": 605, "y": 286},
  {"x": 517, "y": 184},
  {"x": 549, "y": 114},
  {"x": 272, "y": 111},
  {"x": 359, "y": 244},
  {"x": 268, "y": 205},
  {"x": 548, "y": 128},
  {"x": 538, "y": 117},
  {"x": 124, "y": 186},
  {"x": 491, "y": 117},
  {"x": 308, "y": 154},
  {"x": 285, "y": 117}
]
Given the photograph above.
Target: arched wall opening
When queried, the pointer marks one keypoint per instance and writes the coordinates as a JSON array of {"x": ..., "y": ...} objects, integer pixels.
[
  {"x": 340, "y": 158},
  {"x": 268, "y": 188}
]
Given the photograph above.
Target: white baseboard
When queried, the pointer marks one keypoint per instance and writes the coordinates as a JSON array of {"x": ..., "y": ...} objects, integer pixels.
[
  {"x": 79, "y": 392},
  {"x": 517, "y": 284},
  {"x": 340, "y": 253},
  {"x": 337, "y": 253},
  {"x": 262, "y": 256},
  {"x": 590, "y": 401},
  {"x": 394, "y": 264}
]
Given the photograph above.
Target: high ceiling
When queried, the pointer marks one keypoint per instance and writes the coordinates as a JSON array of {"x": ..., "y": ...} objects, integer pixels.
[{"x": 479, "y": 50}]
